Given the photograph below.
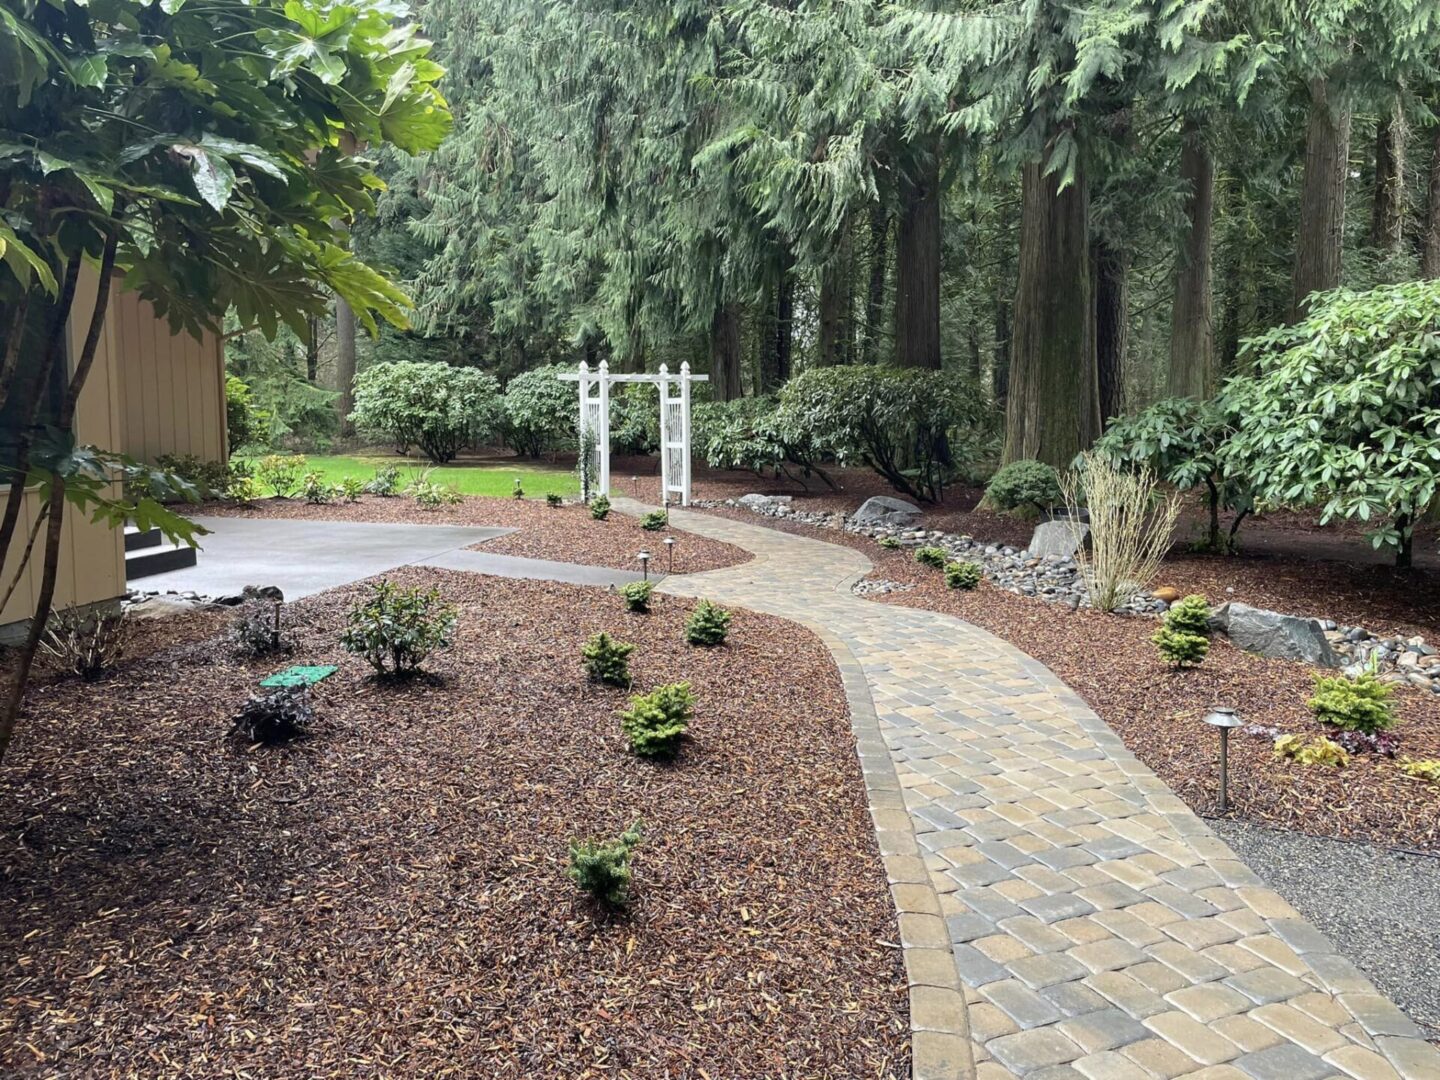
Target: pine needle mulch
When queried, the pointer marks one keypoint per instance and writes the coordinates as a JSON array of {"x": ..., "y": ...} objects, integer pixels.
[{"x": 388, "y": 898}]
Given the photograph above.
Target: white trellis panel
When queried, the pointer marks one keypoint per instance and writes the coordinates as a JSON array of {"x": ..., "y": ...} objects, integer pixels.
[{"x": 594, "y": 402}]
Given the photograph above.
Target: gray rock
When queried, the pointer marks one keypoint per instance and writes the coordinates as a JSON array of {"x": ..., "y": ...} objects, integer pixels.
[
  {"x": 885, "y": 510},
  {"x": 754, "y": 500},
  {"x": 1061, "y": 538},
  {"x": 1270, "y": 633}
]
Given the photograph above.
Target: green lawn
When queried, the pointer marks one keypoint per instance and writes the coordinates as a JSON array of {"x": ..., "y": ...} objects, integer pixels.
[{"x": 481, "y": 479}]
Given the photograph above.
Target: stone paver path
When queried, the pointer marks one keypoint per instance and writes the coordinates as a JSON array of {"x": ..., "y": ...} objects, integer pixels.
[{"x": 1063, "y": 914}]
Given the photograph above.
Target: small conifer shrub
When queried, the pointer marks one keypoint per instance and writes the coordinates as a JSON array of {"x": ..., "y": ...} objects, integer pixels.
[
  {"x": 888, "y": 542},
  {"x": 552, "y": 499},
  {"x": 600, "y": 507},
  {"x": 708, "y": 625},
  {"x": 607, "y": 660},
  {"x": 636, "y": 595},
  {"x": 602, "y": 867},
  {"x": 1362, "y": 704},
  {"x": 931, "y": 556},
  {"x": 1189, "y": 616},
  {"x": 654, "y": 521},
  {"x": 1178, "y": 648},
  {"x": 656, "y": 722},
  {"x": 962, "y": 575}
]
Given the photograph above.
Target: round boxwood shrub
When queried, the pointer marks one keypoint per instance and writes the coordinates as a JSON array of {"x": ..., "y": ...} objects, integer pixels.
[{"x": 1023, "y": 484}]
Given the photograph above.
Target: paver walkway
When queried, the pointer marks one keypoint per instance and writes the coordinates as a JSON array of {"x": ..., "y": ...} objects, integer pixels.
[{"x": 1063, "y": 914}]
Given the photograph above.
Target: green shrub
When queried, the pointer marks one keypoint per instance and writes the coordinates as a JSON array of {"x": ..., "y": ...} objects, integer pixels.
[
  {"x": 708, "y": 624},
  {"x": 1178, "y": 647},
  {"x": 431, "y": 495},
  {"x": 315, "y": 490},
  {"x": 396, "y": 629},
  {"x": 600, "y": 507},
  {"x": 281, "y": 473},
  {"x": 607, "y": 660},
  {"x": 244, "y": 489},
  {"x": 962, "y": 575},
  {"x": 656, "y": 722},
  {"x": 1317, "y": 751},
  {"x": 274, "y": 717},
  {"x": 385, "y": 482},
  {"x": 602, "y": 867},
  {"x": 255, "y": 632},
  {"x": 211, "y": 478},
  {"x": 553, "y": 500},
  {"x": 1025, "y": 484},
  {"x": 436, "y": 407},
  {"x": 1189, "y": 616},
  {"x": 931, "y": 556},
  {"x": 747, "y": 434},
  {"x": 1362, "y": 704},
  {"x": 516, "y": 491},
  {"x": 245, "y": 425},
  {"x": 636, "y": 595},
  {"x": 654, "y": 521},
  {"x": 888, "y": 542},
  {"x": 350, "y": 489},
  {"x": 539, "y": 410},
  {"x": 1426, "y": 769}
]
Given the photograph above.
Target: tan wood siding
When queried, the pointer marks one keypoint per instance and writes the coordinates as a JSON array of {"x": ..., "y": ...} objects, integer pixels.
[{"x": 149, "y": 393}]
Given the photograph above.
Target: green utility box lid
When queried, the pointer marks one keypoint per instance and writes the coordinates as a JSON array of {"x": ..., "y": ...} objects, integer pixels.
[{"x": 299, "y": 675}]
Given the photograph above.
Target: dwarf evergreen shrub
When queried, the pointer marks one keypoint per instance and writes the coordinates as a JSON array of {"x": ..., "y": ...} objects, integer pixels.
[
  {"x": 1179, "y": 647},
  {"x": 600, "y": 507},
  {"x": 607, "y": 660},
  {"x": 931, "y": 556},
  {"x": 1189, "y": 616},
  {"x": 1362, "y": 704},
  {"x": 654, "y": 521},
  {"x": 636, "y": 595},
  {"x": 552, "y": 499},
  {"x": 708, "y": 625},
  {"x": 1025, "y": 484},
  {"x": 602, "y": 867},
  {"x": 888, "y": 542},
  {"x": 962, "y": 575},
  {"x": 656, "y": 722}
]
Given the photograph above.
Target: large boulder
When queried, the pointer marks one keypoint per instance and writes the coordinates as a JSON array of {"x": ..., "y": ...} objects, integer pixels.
[
  {"x": 1060, "y": 538},
  {"x": 1269, "y": 633},
  {"x": 884, "y": 510}
]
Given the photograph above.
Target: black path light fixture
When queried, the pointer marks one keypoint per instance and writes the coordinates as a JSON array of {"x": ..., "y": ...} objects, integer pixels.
[
  {"x": 644, "y": 558},
  {"x": 666, "y": 502},
  {"x": 670, "y": 553},
  {"x": 1225, "y": 719}
]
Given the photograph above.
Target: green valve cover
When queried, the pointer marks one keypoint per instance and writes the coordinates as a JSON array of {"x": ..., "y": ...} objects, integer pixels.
[{"x": 299, "y": 675}]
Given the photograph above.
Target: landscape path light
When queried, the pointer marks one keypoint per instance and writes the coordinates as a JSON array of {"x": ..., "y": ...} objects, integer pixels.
[
  {"x": 670, "y": 551},
  {"x": 1225, "y": 719},
  {"x": 644, "y": 558}
]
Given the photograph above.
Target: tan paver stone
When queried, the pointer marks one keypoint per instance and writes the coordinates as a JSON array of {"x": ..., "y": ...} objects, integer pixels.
[
  {"x": 917, "y": 898},
  {"x": 931, "y": 967},
  {"x": 1362, "y": 1064},
  {"x": 1216, "y": 1072},
  {"x": 1266, "y": 903},
  {"x": 1082, "y": 931},
  {"x": 937, "y": 1055},
  {"x": 1002, "y": 948},
  {"x": 1160, "y": 1058},
  {"x": 1195, "y": 1039},
  {"x": 1209, "y": 1002},
  {"x": 936, "y": 1008},
  {"x": 1276, "y": 953},
  {"x": 1296, "y": 1027},
  {"x": 1250, "y": 1035},
  {"x": 1110, "y": 1065},
  {"x": 987, "y": 1022}
]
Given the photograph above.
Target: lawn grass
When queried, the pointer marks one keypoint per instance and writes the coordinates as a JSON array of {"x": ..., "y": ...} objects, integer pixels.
[{"x": 496, "y": 480}]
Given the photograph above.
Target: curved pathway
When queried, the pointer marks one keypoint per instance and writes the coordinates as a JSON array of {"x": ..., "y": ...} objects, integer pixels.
[{"x": 1063, "y": 914}]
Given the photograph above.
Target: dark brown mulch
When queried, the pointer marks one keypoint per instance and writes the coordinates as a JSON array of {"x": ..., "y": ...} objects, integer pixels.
[
  {"x": 388, "y": 897},
  {"x": 561, "y": 534},
  {"x": 1110, "y": 661}
]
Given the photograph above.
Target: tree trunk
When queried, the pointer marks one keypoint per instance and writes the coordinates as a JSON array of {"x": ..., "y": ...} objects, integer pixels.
[
  {"x": 777, "y": 329},
  {"x": 875, "y": 290},
  {"x": 1387, "y": 212},
  {"x": 725, "y": 353},
  {"x": 917, "y": 270},
  {"x": 1322, "y": 197},
  {"x": 1053, "y": 410},
  {"x": 1430, "y": 259},
  {"x": 1112, "y": 326},
  {"x": 1000, "y": 318},
  {"x": 835, "y": 333},
  {"x": 1192, "y": 323},
  {"x": 312, "y": 350},
  {"x": 344, "y": 364}
]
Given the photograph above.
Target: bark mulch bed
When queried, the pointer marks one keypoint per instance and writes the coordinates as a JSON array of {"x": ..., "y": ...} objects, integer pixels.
[
  {"x": 388, "y": 897},
  {"x": 1110, "y": 662},
  {"x": 561, "y": 534}
]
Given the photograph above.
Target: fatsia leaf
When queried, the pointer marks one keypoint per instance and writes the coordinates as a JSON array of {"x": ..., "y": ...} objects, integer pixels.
[{"x": 213, "y": 176}]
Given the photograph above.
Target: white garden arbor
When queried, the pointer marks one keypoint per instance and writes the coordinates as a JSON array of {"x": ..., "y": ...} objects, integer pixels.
[{"x": 674, "y": 423}]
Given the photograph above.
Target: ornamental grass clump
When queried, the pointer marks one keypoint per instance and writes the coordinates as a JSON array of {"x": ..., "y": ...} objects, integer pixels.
[
  {"x": 1363, "y": 704},
  {"x": 602, "y": 867},
  {"x": 1316, "y": 751},
  {"x": 1131, "y": 525},
  {"x": 636, "y": 595},
  {"x": 395, "y": 629},
  {"x": 1184, "y": 639},
  {"x": 600, "y": 507},
  {"x": 931, "y": 556},
  {"x": 962, "y": 575},
  {"x": 606, "y": 660},
  {"x": 654, "y": 521},
  {"x": 708, "y": 624},
  {"x": 656, "y": 722}
]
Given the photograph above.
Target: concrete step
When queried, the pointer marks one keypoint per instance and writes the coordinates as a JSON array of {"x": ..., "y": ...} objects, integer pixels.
[
  {"x": 157, "y": 559},
  {"x": 137, "y": 538}
]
